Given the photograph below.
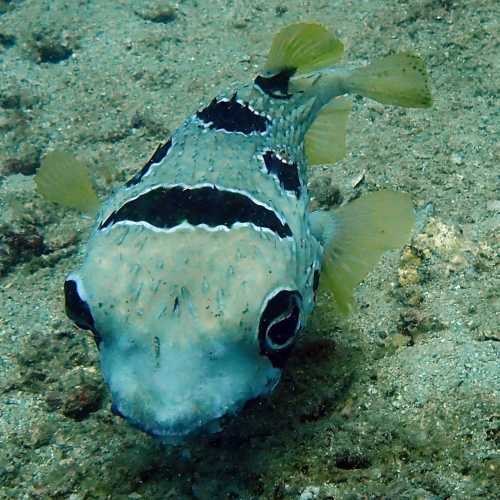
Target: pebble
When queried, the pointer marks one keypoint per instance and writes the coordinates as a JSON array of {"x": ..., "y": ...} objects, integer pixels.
[
  {"x": 310, "y": 493},
  {"x": 51, "y": 47},
  {"x": 20, "y": 243},
  {"x": 26, "y": 161},
  {"x": 375, "y": 106},
  {"x": 82, "y": 401},
  {"x": 157, "y": 12},
  {"x": 41, "y": 434},
  {"x": 456, "y": 159}
]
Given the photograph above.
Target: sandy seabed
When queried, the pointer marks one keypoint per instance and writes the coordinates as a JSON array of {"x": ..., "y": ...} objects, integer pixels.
[{"x": 402, "y": 399}]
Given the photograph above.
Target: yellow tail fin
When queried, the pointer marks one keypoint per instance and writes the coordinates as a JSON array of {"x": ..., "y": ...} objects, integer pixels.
[
  {"x": 303, "y": 47},
  {"x": 325, "y": 140},
  {"x": 65, "y": 180},
  {"x": 400, "y": 79},
  {"x": 361, "y": 232}
]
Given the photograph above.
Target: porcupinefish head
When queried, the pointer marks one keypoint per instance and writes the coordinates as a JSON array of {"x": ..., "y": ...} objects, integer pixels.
[{"x": 191, "y": 323}]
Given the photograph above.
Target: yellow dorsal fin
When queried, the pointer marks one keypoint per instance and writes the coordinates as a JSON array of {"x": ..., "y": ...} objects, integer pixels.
[
  {"x": 361, "y": 232},
  {"x": 304, "y": 47},
  {"x": 65, "y": 180},
  {"x": 400, "y": 79},
  {"x": 325, "y": 141}
]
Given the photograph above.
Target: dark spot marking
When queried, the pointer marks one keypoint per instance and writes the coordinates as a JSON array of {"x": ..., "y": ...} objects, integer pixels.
[
  {"x": 157, "y": 350},
  {"x": 167, "y": 207},
  {"x": 277, "y": 85},
  {"x": 158, "y": 155},
  {"x": 279, "y": 325},
  {"x": 232, "y": 116},
  {"x": 287, "y": 173}
]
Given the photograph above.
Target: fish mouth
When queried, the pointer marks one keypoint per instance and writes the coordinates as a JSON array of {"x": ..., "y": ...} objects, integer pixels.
[
  {"x": 188, "y": 391},
  {"x": 174, "y": 433},
  {"x": 179, "y": 432}
]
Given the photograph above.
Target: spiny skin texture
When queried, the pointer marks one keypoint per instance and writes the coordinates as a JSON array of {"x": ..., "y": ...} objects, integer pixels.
[{"x": 201, "y": 270}]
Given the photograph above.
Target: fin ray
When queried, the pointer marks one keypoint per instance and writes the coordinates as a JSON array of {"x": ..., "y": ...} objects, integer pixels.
[
  {"x": 304, "y": 47},
  {"x": 65, "y": 180},
  {"x": 399, "y": 79},
  {"x": 325, "y": 141},
  {"x": 361, "y": 232}
]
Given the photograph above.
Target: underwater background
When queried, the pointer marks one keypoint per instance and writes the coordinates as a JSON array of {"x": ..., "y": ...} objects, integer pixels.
[{"x": 401, "y": 399}]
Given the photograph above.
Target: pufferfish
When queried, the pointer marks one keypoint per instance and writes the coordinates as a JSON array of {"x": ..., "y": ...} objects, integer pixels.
[{"x": 202, "y": 270}]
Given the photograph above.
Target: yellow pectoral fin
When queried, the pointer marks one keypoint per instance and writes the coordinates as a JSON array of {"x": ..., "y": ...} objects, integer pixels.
[
  {"x": 362, "y": 231},
  {"x": 63, "y": 179},
  {"x": 303, "y": 47},
  {"x": 400, "y": 79},
  {"x": 325, "y": 141}
]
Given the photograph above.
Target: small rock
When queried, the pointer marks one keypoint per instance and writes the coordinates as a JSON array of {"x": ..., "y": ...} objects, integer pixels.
[
  {"x": 413, "y": 323},
  {"x": 325, "y": 193},
  {"x": 53, "y": 400},
  {"x": 19, "y": 244},
  {"x": 375, "y": 106},
  {"x": 485, "y": 334},
  {"x": 239, "y": 23},
  {"x": 456, "y": 263},
  {"x": 7, "y": 40},
  {"x": 41, "y": 434},
  {"x": 51, "y": 47},
  {"x": 84, "y": 399},
  {"x": 398, "y": 341},
  {"x": 409, "y": 271},
  {"x": 157, "y": 12},
  {"x": 456, "y": 159},
  {"x": 352, "y": 459},
  {"x": 26, "y": 161},
  {"x": 310, "y": 493},
  {"x": 15, "y": 96}
]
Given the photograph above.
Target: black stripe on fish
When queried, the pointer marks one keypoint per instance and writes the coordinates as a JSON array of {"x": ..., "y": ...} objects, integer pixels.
[
  {"x": 286, "y": 173},
  {"x": 166, "y": 207},
  {"x": 277, "y": 85},
  {"x": 232, "y": 115},
  {"x": 77, "y": 308},
  {"x": 316, "y": 283},
  {"x": 158, "y": 155}
]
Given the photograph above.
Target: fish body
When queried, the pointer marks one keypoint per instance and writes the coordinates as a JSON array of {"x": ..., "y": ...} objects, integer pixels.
[
  {"x": 202, "y": 270},
  {"x": 190, "y": 253}
]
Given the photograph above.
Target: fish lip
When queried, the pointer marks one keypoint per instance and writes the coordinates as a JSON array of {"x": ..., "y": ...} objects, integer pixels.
[
  {"x": 178, "y": 434},
  {"x": 152, "y": 430},
  {"x": 171, "y": 435}
]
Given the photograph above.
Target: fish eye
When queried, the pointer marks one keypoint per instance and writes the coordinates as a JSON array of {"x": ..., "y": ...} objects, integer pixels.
[{"x": 279, "y": 325}]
